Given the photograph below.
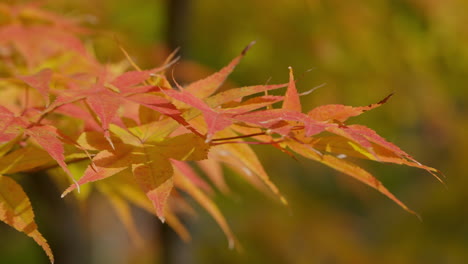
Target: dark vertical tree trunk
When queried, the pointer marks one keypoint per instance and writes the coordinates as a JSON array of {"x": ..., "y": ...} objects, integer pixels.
[
  {"x": 178, "y": 23},
  {"x": 175, "y": 251}
]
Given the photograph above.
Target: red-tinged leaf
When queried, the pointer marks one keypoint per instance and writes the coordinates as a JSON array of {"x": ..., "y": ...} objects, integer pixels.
[
  {"x": 214, "y": 121},
  {"x": 163, "y": 106},
  {"x": 37, "y": 43},
  {"x": 291, "y": 100},
  {"x": 208, "y": 86},
  {"x": 352, "y": 135},
  {"x": 155, "y": 179},
  {"x": 157, "y": 103},
  {"x": 239, "y": 93},
  {"x": 127, "y": 80},
  {"x": 101, "y": 101},
  {"x": 242, "y": 159},
  {"x": 341, "y": 113},
  {"x": 34, "y": 11},
  {"x": 248, "y": 162},
  {"x": 406, "y": 159},
  {"x": 347, "y": 168},
  {"x": 131, "y": 78},
  {"x": 186, "y": 171},
  {"x": 365, "y": 136},
  {"x": 140, "y": 89},
  {"x": 16, "y": 211},
  {"x": 48, "y": 138},
  {"x": 341, "y": 146},
  {"x": 371, "y": 135},
  {"x": 10, "y": 126},
  {"x": 64, "y": 40},
  {"x": 40, "y": 81},
  {"x": 189, "y": 99},
  {"x": 187, "y": 186},
  {"x": 104, "y": 104},
  {"x": 279, "y": 121},
  {"x": 251, "y": 104},
  {"x": 73, "y": 110},
  {"x": 106, "y": 164},
  {"x": 398, "y": 160}
]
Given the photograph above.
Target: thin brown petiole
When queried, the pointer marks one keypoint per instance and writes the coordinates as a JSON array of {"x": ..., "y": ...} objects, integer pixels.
[
  {"x": 243, "y": 136},
  {"x": 247, "y": 142}
]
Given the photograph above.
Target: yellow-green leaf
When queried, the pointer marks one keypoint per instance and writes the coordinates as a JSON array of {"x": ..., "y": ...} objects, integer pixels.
[{"x": 17, "y": 212}]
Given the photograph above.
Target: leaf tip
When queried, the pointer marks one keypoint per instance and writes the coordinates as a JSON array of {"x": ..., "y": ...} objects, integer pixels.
[
  {"x": 414, "y": 213},
  {"x": 244, "y": 51},
  {"x": 232, "y": 244},
  {"x": 74, "y": 186},
  {"x": 284, "y": 201},
  {"x": 67, "y": 191},
  {"x": 383, "y": 101}
]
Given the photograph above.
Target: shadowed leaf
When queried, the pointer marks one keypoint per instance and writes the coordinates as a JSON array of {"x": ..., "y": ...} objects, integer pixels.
[{"x": 16, "y": 211}]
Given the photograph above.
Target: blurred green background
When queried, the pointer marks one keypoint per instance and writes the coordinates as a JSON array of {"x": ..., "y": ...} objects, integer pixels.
[{"x": 362, "y": 50}]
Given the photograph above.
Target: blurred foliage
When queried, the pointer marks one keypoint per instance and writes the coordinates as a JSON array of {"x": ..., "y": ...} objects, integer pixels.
[{"x": 362, "y": 50}]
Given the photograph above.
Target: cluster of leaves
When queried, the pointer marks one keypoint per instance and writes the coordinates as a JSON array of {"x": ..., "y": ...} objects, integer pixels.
[{"x": 138, "y": 138}]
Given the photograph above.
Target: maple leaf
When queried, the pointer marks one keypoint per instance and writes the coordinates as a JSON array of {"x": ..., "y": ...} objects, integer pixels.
[
  {"x": 10, "y": 125},
  {"x": 40, "y": 81},
  {"x": 206, "y": 87},
  {"x": 105, "y": 98},
  {"x": 217, "y": 118},
  {"x": 297, "y": 130},
  {"x": 16, "y": 211},
  {"x": 37, "y": 43},
  {"x": 286, "y": 119},
  {"x": 45, "y": 136},
  {"x": 291, "y": 100},
  {"x": 243, "y": 159},
  {"x": 342, "y": 146},
  {"x": 155, "y": 179},
  {"x": 341, "y": 113},
  {"x": 48, "y": 138},
  {"x": 149, "y": 161},
  {"x": 136, "y": 133},
  {"x": 347, "y": 168}
]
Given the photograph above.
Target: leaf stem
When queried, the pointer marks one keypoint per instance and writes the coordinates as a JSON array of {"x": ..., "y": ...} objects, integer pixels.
[{"x": 243, "y": 136}]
